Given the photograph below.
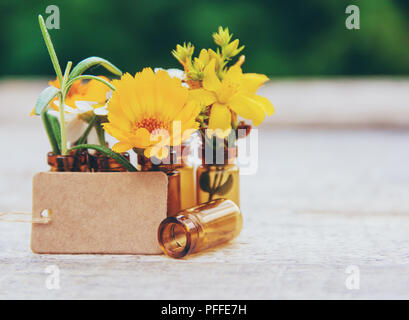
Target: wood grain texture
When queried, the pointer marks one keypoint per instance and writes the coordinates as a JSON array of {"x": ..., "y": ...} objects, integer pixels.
[{"x": 321, "y": 200}]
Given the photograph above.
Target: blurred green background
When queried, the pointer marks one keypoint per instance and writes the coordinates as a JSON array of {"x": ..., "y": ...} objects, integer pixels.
[{"x": 282, "y": 38}]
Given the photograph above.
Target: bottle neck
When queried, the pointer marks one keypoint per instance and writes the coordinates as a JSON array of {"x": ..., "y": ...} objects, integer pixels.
[
  {"x": 220, "y": 156},
  {"x": 69, "y": 163},
  {"x": 171, "y": 163},
  {"x": 102, "y": 163}
]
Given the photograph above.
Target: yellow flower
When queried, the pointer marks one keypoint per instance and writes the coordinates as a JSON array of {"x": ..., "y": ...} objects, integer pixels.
[
  {"x": 222, "y": 37},
  {"x": 83, "y": 97},
  {"x": 150, "y": 111},
  {"x": 92, "y": 91},
  {"x": 195, "y": 70},
  {"x": 235, "y": 93},
  {"x": 183, "y": 53},
  {"x": 232, "y": 49}
]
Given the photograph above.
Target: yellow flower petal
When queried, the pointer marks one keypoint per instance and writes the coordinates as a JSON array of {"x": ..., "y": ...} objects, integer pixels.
[
  {"x": 220, "y": 119},
  {"x": 211, "y": 82},
  {"x": 267, "y": 105},
  {"x": 160, "y": 152},
  {"x": 204, "y": 97},
  {"x": 248, "y": 108},
  {"x": 141, "y": 138},
  {"x": 253, "y": 81},
  {"x": 233, "y": 76},
  {"x": 121, "y": 147},
  {"x": 117, "y": 132}
]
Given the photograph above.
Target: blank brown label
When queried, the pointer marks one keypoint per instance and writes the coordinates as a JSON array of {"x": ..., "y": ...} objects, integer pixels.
[{"x": 106, "y": 213}]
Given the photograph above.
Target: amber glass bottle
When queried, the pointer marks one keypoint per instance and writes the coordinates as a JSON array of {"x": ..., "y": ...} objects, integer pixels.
[
  {"x": 174, "y": 191},
  {"x": 187, "y": 179},
  {"x": 73, "y": 162},
  {"x": 102, "y": 163},
  {"x": 218, "y": 178},
  {"x": 200, "y": 228}
]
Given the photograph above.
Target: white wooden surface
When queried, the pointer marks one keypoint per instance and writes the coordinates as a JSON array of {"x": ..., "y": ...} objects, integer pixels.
[{"x": 322, "y": 200}]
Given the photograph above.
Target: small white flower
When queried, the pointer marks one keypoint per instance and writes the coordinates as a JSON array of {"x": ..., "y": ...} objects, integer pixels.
[
  {"x": 74, "y": 125},
  {"x": 175, "y": 73},
  {"x": 101, "y": 111},
  {"x": 85, "y": 107}
]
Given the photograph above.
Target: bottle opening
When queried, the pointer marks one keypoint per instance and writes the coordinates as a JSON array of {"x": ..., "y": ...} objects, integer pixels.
[
  {"x": 174, "y": 240},
  {"x": 177, "y": 238}
]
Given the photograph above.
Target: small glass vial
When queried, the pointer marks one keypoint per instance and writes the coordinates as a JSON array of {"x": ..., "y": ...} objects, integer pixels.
[
  {"x": 73, "y": 162},
  {"x": 102, "y": 163},
  {"x": 199, "y": 228},
  {"x": 174, "y": 194},
  {"x": 215, "y": 181},
  {"x": 187, "y": 179}
]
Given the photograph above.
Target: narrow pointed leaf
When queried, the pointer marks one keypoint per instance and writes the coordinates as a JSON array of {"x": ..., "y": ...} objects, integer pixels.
[
  {"x": 109, "y": 153},
  {"x": 45, "y": 98},
  {"x": 92, "y": 62},
  {"x": 50, "y": 47},
  {"x": 50, "y": 133},
  {"x": 55, "y": 126},
  {"x": 87, "y": 77}
]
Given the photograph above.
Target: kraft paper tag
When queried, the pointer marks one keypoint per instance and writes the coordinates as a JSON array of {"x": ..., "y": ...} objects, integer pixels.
[{"x": 110, "y": 213}]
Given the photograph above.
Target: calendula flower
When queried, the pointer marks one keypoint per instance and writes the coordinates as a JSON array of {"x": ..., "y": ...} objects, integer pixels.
[
  {"x": 150, "y": 111},
  {"x": 84, "y": 98},
  {"x": 236, "y": 94}
]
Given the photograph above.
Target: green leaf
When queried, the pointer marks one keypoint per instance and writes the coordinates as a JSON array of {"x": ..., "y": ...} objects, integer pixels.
[
  {"x": 91, "y": 62},
  {"x": 45, "y": 98},
  {"x": 50, "y": 133},
  {"x": 225, "y": 187},
  {"x": 100, "y": 133},
  {"x": 50, "y": 48},
  {"x": 86, "y": 77},
  {"x": 204, "y": 182},
  {"x": 66, "y": 73},
  {"x": 55, "y": 126},
  {"x": 109, "y": 153}
]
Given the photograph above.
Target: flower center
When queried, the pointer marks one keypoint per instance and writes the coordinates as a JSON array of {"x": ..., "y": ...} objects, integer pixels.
[{"x": 150, "y": 124}]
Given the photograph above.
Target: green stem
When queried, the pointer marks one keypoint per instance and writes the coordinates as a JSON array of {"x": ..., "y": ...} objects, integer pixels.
[
  {"x": 84, "y": 136},
  {"x": 100, "y": 133},
  {"x": 62, "y": 116},
  {"x": 62, "y": 123},
  {"x": 50, "y": 48}
]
